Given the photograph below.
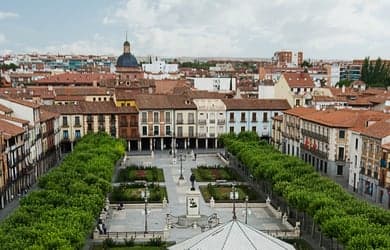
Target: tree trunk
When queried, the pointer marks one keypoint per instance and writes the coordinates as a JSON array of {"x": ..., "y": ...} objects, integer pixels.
[{"x": 313, "y": 228}]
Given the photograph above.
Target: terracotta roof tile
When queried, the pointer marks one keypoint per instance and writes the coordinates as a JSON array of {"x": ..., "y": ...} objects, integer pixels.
[
  {"x": 9, "y": 129},
  {"x": 298, "y": 80}
]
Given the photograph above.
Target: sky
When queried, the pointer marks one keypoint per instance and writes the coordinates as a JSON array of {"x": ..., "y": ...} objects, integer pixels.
[{"x": 322, "y": 29}]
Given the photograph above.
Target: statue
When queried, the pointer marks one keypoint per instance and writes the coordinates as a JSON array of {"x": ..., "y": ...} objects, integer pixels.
[{"x": 192, "y": 179}]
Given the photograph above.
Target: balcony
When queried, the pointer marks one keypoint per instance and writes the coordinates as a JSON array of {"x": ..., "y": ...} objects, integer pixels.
[
  {"x": 339, "y": 158},
  {"x": 212, "y": 135},
  {"x": 212, "y": 121},
  {"x": 123, "y": 124},
  {"x": 221, "y": 121},
  {"x": 179, "y": 121},
  {"x": 231, "y": 120},
  {"x": 144, "y": 121},
  {"x": 315, "y": 135},
  {"x": 89, "y": 119},
  {"x": 65, "y": 125},
  {"x": 202, "y": 121},
  {"x": 202, "y": 134},
  {"x": 77, "y": 125},
  {"x": 191, "y": 121}
]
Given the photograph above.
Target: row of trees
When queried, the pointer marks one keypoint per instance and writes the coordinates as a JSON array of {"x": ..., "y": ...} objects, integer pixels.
[
  {"x": 375, "y": 74},
  {"x": 354, "y": 223},
  {"x": 62, "y": 212}
]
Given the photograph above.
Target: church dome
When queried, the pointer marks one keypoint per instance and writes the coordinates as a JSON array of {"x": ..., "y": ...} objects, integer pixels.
[{"x": 127, "y": 60}]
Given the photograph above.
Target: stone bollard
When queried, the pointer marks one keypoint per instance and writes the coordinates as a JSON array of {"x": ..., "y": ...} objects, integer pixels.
[
  {"x": 212, "y": 202},
  {"x": 284, "y": 219},
  {"x": 164, "y": 202},
  {"x": 278, "y": 213}
]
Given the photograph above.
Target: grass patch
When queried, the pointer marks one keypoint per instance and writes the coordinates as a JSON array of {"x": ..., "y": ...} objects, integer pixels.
[
  {"x": 129, "y": 193},
  {"x": 221, "y": 193},
  {"x": 138, "y": 173},
  {"x": 211, "y": 173}
]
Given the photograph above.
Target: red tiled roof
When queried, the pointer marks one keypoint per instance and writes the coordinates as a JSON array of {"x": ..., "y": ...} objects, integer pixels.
[
  {"x": 89, "y": 108},
  {"x": 47, "y": 115},
  {"x": 378, "y": 130},
  {"x": 75, "y": 78},
  {"x": 19, "y": 101},
  {"x": 14, "y": 119},
  {"x": 298, "y": 80},
  {"x": 9, "y": 129},
  {"x": 81, "y": 91},
  {"x": 5, "y": 109}
]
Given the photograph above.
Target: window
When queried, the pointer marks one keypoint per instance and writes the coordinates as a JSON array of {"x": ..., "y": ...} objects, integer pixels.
[
  {"x": 242, "y": 129},
  {"x": 66, "y": 134},
  {"x": 101, "y": 118},
  {"x": 77, "y": 121},
  {"x": 276, "y": 114},
  {"x": 231, "y": 129},
  {"x": 155, "y": 117},
  {"x": 191, "y": 131},
  {"x": 253, "y": 117},
  {"x": 297, "y": 102},
  {"x": 339, "y": 169},
  {"x": 155, "y": 130},
  {"x": 168, "y": 130},
  {"x": 242, "y": 116},
  {"x": 341, "y": 134},
  {"x": 77, "y": 134},
  {"x": 167, "y": 117},
  {"x": 179, "y": 118},
  {"x": 65, "y": 121},
  {"x": 89, "y": 127},
  {"x": 191, "y": 118},
  {"x": 144, "y": 117},
  {"x": 265, "y": 117},
  {"x": 144, "y": 130},
  {"x": 341, "y": 154},
  {"x": 179, "y": 131},
  {"x": 254, "y": 129},
  {"x": 231, "y": 116},
  {"x": 356, "y": 143}
]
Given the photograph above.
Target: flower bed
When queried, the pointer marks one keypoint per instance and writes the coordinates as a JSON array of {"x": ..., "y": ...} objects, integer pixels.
[
  {"x": 212, "y": 173},
  {"x": 137, "y": 173},
  {"x": 221, "y": 193},
  {"x": 131, "y": 193}
]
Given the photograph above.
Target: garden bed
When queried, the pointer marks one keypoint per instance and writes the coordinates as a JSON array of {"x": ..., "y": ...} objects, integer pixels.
[
  {"x": 131, "y": 193},
  {"x": 139, "y": 173},
  {"x": 213, "y": 173},
  {"x": 221, "y": 193}
]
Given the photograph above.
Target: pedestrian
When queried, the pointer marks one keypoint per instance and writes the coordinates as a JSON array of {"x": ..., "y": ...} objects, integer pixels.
[{"x": 195, "y": 156}]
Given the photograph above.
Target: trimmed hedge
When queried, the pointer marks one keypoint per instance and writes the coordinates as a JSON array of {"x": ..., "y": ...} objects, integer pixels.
[
  {"x": 353, "y": 222},
  {"x": 62, "y": 213}
]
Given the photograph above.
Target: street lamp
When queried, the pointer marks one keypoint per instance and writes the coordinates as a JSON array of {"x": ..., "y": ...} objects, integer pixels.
[
  {"x": 233, "y": 195},
  {"x": 145, "y": 195},
  {"x": 182, "y": 158}
]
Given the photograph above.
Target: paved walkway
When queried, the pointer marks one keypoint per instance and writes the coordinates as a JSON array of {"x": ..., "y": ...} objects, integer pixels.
[{"x": 133, "y": 219}]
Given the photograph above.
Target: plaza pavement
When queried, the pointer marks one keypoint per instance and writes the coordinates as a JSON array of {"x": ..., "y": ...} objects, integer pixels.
[{"x": 132, "y": 219}]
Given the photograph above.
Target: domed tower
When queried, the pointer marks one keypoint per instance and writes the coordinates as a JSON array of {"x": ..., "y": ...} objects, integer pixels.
[{"x": 127, "y": 67}]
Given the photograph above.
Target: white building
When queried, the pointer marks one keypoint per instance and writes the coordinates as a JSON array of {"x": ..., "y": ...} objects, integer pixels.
[
  {"x": 159, "y": 70},
  {"x": 215, "y": 84}
]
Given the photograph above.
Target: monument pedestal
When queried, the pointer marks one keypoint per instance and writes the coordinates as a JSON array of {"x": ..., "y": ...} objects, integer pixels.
[{"x": 192, "y": 204}]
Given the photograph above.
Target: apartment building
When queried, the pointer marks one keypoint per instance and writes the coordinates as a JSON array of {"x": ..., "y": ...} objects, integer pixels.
[
  {"x": 91, "y": 117},
  {"x": 211, "y": 121},
  {"x": 156, "y": 122},
  {"x": 16, "y": 174},
  {"x": 253, "y": 115},
  {"x": 374, "y": 179},
  {"x": 296, "y": 88}
]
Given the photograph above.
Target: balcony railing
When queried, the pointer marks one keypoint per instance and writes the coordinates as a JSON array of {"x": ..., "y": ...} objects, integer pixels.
[
  {"x": 231, "y": 120},
  {"x": 144, "y": 121},
  {"x": 191, "y": 121},
  {"x": 212, "y": 135},
  {"x": 179, "y": 122},
  {"x": 221, "y": 122},
  {"x": 315, "y": 135},
  {"x": 202, "y": 122},
  {"x": 202, "y": 134},
  {"x": 212, "y": 121}
]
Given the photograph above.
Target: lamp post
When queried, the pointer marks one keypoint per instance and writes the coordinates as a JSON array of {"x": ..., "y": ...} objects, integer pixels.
[
  {"x": 233, "y": 197},
  {"x": 182, "y": 158},
  {"x": 145, "y": 195}
]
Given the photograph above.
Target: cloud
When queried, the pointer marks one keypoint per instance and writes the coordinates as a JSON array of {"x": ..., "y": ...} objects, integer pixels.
[
  {"x": 254, "y": 28},
  {"x": 98, "y": 44},
  {"x": 2, "y": 38},
  {"x": 5, "y": 15}
]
